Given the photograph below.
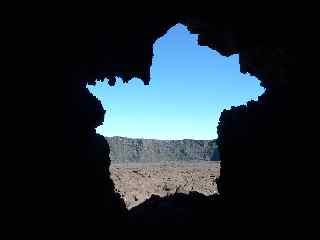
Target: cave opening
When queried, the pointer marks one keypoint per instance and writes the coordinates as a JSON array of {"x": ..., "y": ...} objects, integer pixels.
[{"x": 171, "y": 108}]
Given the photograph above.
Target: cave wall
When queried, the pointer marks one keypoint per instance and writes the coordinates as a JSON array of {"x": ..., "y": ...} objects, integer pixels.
[
  {"x": 85, "y": 189},
  {"x": 123, "y": 48},
  {"x": 254, "y": 178}
]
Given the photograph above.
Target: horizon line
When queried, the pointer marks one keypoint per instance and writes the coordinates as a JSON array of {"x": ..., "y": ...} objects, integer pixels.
[{"x": 161, "y": 139}]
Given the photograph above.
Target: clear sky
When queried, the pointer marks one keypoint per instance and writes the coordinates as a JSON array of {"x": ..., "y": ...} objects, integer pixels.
[{"x": 190, "y": 86}]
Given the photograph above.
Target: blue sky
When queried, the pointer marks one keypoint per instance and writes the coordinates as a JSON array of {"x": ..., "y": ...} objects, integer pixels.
[{"x": 190, "y": 86}]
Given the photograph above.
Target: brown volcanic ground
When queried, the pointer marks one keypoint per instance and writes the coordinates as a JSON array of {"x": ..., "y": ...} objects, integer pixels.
[{"x": 136, "y": 182}]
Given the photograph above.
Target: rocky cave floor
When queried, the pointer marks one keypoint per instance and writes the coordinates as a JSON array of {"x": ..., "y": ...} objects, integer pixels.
[{"x": 137, "y": 182}]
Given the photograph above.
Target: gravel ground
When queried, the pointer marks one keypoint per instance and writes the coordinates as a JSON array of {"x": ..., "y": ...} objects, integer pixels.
[{"x": 136, "y": 182}]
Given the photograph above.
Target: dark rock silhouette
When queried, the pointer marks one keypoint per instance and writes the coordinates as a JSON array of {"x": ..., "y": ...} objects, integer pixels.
[
  {"x": 179, "y": 208},
  {"x": 75, "y": 184},
  {"x": 124, "y": 49}
]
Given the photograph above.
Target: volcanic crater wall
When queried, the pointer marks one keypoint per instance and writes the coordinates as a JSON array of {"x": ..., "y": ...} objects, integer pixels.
[{"x": 124, "y": 149}]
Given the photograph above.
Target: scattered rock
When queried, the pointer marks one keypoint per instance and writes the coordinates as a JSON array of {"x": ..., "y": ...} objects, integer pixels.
[{"x": 163, "y": 179}]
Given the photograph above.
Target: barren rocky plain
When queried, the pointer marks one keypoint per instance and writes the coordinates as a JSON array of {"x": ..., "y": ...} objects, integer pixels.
[{"x": 136, "y": 182}]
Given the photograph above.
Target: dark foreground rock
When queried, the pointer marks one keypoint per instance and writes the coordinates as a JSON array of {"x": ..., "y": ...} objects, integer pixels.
[{"x": 179, "y": 208}]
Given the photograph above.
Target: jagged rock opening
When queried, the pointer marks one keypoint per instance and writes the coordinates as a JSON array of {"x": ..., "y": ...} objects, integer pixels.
[
  {"x": 141, "y": 167},
  {"x": 178, "y": 108},
  {"x": 244, "y": 131}
]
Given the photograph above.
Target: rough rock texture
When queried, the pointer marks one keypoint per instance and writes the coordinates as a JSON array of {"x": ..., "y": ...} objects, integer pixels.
[
  {"x": 152, "y": 150},
  {"x": 136, "y": 182}
]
